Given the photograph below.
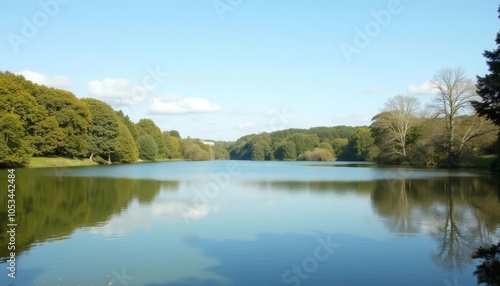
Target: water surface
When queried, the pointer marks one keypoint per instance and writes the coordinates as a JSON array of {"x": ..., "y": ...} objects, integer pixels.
[{"x": 250, "y": 223}]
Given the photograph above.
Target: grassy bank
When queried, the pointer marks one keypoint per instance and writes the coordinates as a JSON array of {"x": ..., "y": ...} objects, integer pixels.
[
  {"x": 43, "y": 162},
  {"x": 483, "y": 162}
]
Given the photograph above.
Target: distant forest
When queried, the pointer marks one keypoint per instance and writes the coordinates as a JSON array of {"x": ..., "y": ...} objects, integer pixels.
[{"x": 38, "y": 121}]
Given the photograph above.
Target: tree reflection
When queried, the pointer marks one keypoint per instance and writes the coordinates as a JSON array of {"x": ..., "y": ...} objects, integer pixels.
[
  {"x": 49, "y": 208},
  {"x": 392, "y": 200},
  {"x": 459, "y": 212}
]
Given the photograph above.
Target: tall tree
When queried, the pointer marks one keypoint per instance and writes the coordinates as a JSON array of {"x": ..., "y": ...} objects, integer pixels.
[
  {"x": 14, "y": 149},
  {"x": 73, "y": 117},
  {"x": 148, "y": 149},
  {"x": 126, "y": 150},
  {"x": 103, "y": 130},
  {"x": 393, "y": 125},
  {"x": 455, "y": 93},
  {"x": 488, "y": 86},
  {"x": 147, "y": 126}
]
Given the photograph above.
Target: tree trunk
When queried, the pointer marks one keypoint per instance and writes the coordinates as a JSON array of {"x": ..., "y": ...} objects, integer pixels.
[
  {"x": 91, "y": 158},
  {"x": 109, "y": 159}
]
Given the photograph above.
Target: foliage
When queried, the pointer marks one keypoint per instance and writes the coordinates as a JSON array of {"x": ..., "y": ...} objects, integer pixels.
[
  {"x": 392, "y": 128},
  {"x": 195, "y": 150},
  {"x": 488, "y": 86},
  {"x": 148, "y": 149},
  {"x": 360, "y": 147},
  {"x": 126, "y": 148},
  {"x": 318, "y": 154},
  {"x": 221, "y": 151},
  {"x": 147, "y": 126},
  {"x": 103, "y": 130},
  {"x": 173, "y": 145},
  {"x": 488, "y": 271},
  {"x": 14, "y": 150}
]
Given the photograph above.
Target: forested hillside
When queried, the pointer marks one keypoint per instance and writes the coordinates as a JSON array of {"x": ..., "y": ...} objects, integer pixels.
[{"x": 36, "y": 120}]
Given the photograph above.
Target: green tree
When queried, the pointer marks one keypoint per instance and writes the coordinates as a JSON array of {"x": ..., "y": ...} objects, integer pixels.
[
  {"x": 220, "y": 151},
  {"x": 103, "y": 130},
  {"x": 126, "y": 149},
  {"x": 195, "y": 150},
  {"x": 47, "y": 136},
  {"x": 148, "y": 149},
  {"x": 488, "y": 86},
  {"x": 304, "y": 142},
  {"x": 147, "y": 126},
  {"x": 73, "y": 117},
  {"x": 173, "y": 145},
  {"x": 14, "y": 150},
  {"x": 361, "y": 146},
  {"x": 130, "y": 125},
  {"x": 488, "y": 271},
  {"x": 285, "y": 151}
]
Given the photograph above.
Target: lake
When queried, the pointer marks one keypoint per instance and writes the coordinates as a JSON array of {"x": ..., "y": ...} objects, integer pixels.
[{"x": 249, "y": 223}]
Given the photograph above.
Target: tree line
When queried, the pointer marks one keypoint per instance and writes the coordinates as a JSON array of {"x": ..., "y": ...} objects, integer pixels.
[
  {"x": 449, "y": 132},
  {"x": 36, "y": 120}
]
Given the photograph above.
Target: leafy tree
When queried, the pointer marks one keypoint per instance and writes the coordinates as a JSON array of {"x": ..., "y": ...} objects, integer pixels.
[
  {"x": 14, "y": 150},
  {"x": 318, "y": 154},
  {"x": 130, "y": 125},
  {"x": 103, "y": 130},
  {"x": 488, "y": 86},
  {"x": 285, "y": 151},
  {"x": 175, "y": 133},
  {"x": 126, "y": 149},
  {"x": 173, "y": 145},
  {"x": 73, "y": 117},
  {"x": 147, "y": 126},
  {"x": 148, "y": 149},
  {"x": 47, "y": 136},
  {"x": 220, "y": 151},
  {"x": 304, "y": 142},
  {"x": 339, "y": 146},
  {"x": 361, "y": 146},
  {"x": 195, "y": 150},
  {"x": 488, "y": 271}
]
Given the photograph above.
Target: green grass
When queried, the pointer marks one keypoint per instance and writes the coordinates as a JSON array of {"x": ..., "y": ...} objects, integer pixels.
[
  {"x": 483, "y": 161},
  {"x": 43, "y": 162}
]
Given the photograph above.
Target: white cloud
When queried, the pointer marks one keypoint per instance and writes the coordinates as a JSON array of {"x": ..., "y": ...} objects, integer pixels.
[
  {"x": 53, "y": 81},
  {"x": 424, "y": 88},
  {"x": 175, "y": 104},
  {"x": 374, "y": 89},
  {"x": 118, "y": 91},
  {"x": 247, "y": 126}
]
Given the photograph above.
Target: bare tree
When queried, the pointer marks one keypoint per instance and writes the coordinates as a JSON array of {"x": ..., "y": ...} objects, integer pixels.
[
  {"x": 455, "y": 93},
  {"x": 393, "y": 125}
]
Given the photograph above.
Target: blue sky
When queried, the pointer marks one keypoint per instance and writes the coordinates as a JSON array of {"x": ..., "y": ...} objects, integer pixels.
[{"x": 221, "y": 69}]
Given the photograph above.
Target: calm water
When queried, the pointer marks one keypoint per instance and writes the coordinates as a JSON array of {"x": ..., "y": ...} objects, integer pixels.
[{"x": 249, "y": 223}]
